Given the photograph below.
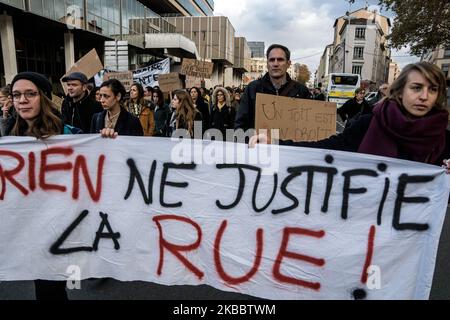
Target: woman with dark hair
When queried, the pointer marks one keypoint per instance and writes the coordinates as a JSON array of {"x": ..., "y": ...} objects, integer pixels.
[
  {"x": 161, "y": 113},
  {"x": 141, "y": 109},
  {"x": 222, "y": 114},
  {"x": 37, "y": 116},
  {"x": 201, "y": 106},
  {"x": 409, "y": 124},
  {"x": 115, "y": 119},
  {"x": 185, "y": 114}
]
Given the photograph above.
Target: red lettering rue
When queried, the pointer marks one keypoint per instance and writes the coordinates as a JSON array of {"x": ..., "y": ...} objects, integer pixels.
[
  {"x": 258, "y": 256},
  {"x": 285, "y": 253}
]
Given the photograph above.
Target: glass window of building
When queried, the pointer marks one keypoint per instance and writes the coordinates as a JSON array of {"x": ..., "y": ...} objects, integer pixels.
[
  {"x": 358, "y": 53},
  {"x": 360, "y": 33}
]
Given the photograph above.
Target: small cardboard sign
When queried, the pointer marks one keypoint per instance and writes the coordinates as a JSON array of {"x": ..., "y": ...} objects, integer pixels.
[
  {"x": 125, "y": 77},
  {"x": 89, "y": 64},
  {"x": 193, "y": 82},
  {"x": 196, "y": 68},
  {"x": 57, "y": 101},
  {"x": 169, "y": 82},
  {"x": 296, "y": 119}
]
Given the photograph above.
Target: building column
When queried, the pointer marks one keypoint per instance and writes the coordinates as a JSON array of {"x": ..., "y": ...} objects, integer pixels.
[
  {"x": 8, "y": 47},
  {"x": 69, "y": 50}
]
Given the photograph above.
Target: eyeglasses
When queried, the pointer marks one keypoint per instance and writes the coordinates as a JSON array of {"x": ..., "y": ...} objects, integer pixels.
[{"x": 28, "y": 95}]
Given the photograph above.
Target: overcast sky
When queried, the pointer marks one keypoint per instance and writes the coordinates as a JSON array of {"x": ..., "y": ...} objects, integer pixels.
[{"x": 304, "y": 26}]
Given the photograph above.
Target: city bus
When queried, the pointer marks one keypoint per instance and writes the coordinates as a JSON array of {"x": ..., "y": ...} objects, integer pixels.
[{"x": 341, "y": 87}]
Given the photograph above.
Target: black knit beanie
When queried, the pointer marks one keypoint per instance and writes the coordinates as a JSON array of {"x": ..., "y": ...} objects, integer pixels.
[{"x": 38, "y": 79}]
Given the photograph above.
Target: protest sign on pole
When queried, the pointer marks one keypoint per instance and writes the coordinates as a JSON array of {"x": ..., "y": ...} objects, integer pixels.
[
  {"x": 297, "y": 119},
  {"x": 196, "y": 68},
  {"x": 169, "y": 82},
  {"x": 125, "y": 77},
  {"x": 90, "y": 64},
  {"x": 148, "y": 76},
  {"x": 320, "y": 224}
]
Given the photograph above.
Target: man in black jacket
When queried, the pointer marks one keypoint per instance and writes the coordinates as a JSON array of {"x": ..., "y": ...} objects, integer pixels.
[
  {"x": 354, "y": 106},
  {"x": 276, "y": 81},
  {"x": 78, "y": 107}
]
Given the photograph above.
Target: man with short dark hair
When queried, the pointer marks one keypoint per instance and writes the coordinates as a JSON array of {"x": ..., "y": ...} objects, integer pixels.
[
  {"x": 318, "y": 94},
  {"x": 354, "y": 106},
  {"x": 78, "y": 107},
  {"x": 276, "y": 82}
]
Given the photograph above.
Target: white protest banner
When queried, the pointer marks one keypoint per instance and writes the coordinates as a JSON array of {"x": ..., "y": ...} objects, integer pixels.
[
  {"x": 148, "y": 76},
  {"x": 324, "y": 225}
]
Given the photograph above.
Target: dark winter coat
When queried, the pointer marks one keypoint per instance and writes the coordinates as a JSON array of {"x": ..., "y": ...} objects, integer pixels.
[
  {"x": 127, "y": 124},
  {"x": 351, "y": 108},
  {"x": 222, "y": 119},
  {"x": 162, "y": 115}
]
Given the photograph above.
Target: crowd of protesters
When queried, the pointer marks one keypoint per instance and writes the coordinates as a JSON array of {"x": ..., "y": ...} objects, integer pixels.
[{"x": 407, "y": 120}]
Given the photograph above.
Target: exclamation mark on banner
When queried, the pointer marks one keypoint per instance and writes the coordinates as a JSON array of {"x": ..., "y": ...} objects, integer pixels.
[{"x": 360, "y": 294}]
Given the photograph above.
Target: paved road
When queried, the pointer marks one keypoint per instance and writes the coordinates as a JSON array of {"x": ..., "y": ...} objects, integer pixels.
[{"x": 112, "y": 289}]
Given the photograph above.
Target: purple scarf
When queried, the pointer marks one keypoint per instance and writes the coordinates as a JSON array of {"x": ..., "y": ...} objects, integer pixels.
[{"x": 391, "y": 133}]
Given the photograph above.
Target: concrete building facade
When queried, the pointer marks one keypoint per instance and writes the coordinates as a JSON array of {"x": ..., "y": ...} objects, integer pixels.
[
  {"x": 241, "y": 65},
  {"x": 324, "y": 66},
  {"x": 394, "y": 72},
  {"x": 214, "y": 38},
  {"x": 48, "y": 36},
  {"x": 185, "y": 8},
  {"x": 258, "y": 68}
]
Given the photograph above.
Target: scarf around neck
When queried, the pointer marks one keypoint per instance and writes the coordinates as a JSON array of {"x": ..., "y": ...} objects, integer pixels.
[{"x": 392, "y": 134}]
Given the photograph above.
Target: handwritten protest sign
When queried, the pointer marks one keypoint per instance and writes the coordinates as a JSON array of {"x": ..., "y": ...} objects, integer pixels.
[
  {"x": 125, "y": 77},
  {"x": 297, "y": 119},
  {"x": 148, "y": 76},
  {"x": 318, "y": 225},
  {"x": 90, "y": 64},
  {"x": 169, "y": 82},
  {"x": 196, "y": 68}
]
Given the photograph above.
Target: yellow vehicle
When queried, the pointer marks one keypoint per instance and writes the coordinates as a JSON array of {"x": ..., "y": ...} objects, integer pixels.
[{"x": 341, "y": 87}]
